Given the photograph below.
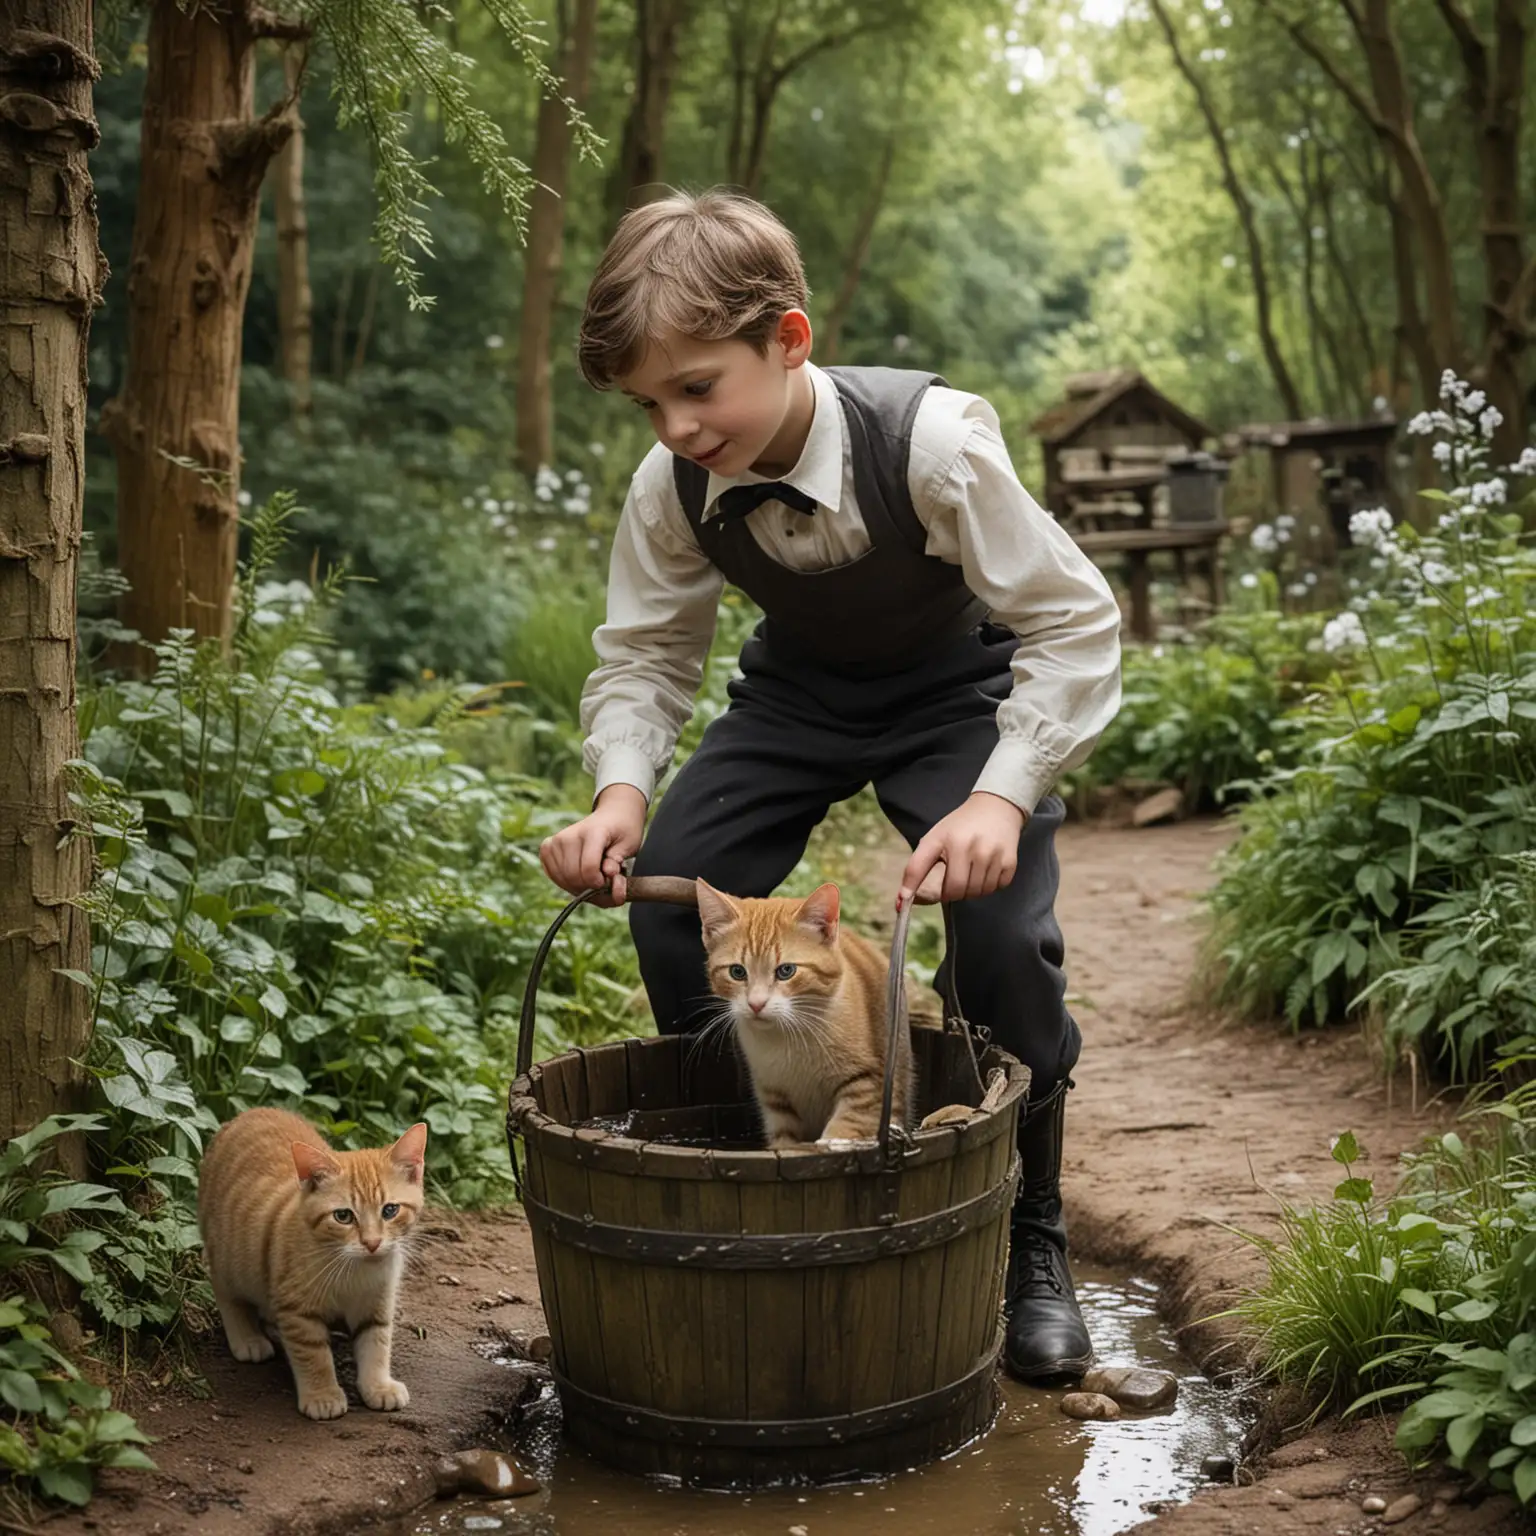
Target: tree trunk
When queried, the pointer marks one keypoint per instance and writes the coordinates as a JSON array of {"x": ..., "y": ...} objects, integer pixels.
[
  {"x": 1495, "y": 92},
  {"x": 546, "y": 236},
  {"x": 176, "y": 424},
  {"x": 50, "y": 281},
  {"x": 831, "y": 335},
  {"x": 1411, "y": 329},
  {"x": 637, "y": 174},
  {"x": 1389, "y": 84},
  {"x": 295, "y": 300},
  {"x": 1240, "y": 201}
]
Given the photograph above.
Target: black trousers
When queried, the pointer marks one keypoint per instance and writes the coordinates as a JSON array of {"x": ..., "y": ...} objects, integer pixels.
[{"x": 797, "y": 738}]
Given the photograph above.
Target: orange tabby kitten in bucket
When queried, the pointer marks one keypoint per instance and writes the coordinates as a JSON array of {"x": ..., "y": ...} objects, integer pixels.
[
  {"x": 807, "y": 1001},
  {"x": 301, "y": 1236}
]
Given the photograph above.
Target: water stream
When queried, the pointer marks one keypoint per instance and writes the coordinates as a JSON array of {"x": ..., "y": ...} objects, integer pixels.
[{"x": 1037, "y": 1473}]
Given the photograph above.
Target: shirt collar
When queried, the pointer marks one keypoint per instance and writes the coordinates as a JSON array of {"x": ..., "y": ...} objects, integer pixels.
[{"x": 819, "y": 470}]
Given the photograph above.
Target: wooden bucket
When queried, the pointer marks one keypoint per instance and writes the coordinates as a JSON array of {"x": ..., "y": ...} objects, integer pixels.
[{"x": 737, "y": 1317}]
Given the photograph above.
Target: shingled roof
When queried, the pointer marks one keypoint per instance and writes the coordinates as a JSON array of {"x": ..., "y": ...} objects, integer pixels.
[{"x": 1090, "y": 394}]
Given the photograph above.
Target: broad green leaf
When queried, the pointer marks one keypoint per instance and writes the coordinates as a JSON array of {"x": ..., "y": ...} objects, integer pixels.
[
  {"x": 1358, "y": 1190},
  {"x": 1421, "y": 1300},
  {"x": 1523, "y": 1431},
  {"x": 1474, "y": 1310},
  {"x": 20, "y": 1391},
  {"x": 1346, "y": 1149},
  {"x": 1525, "y": 1479},
  {"x": 1463, "y": 1433}
]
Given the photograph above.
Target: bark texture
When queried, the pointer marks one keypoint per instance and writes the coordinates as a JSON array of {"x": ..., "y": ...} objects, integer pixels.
[
  {"x": 176, "y": 424},
  {"x": 295, "y": 299},
  {"x": 546, "y": 235},
  {"x": 50, "y": 281},
  {"x": 637, "y": 174}
]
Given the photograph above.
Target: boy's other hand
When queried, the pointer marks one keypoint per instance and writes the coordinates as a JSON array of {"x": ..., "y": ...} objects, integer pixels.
[
  {"x": 978, "y": 846},
  {"x": 591, "y": 852}
]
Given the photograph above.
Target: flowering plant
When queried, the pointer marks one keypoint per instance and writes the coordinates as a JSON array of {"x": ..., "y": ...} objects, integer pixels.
[{"x": 1417, "y": 777}]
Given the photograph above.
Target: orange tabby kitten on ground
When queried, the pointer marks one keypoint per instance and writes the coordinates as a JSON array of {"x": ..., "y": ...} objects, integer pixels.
[
  {"x": 807, "y": 1001},
  {"x": 301, "y": 1236}
]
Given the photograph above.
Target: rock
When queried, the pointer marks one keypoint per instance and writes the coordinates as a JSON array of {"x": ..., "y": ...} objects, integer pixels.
[
  {"x": 67, "y": 1332},
  {"x": 1219, "y": 1469},
  {"x": 1133, "y": 1387},
  {"x": 1373, "y": 1505},
  {"x": 1165, "y": 805},
  {"x": 1448, "y": 1493},
  {"x": 488, "y": 1473},
  {"x": 1089, "y": 1405},
  {"x": 1437, "y": 1510},
  {"x": 1279, "y": 1497},
  {"x": 249, "y": 1468},
  {"x": 1400, "y": 1509}
]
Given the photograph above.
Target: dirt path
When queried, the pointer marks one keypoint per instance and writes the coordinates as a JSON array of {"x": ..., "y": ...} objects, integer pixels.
[{"x": 1174, "y": 1119}]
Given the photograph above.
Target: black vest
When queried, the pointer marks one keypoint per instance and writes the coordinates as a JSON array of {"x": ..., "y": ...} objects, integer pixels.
[{"x": 893, "y": 604}]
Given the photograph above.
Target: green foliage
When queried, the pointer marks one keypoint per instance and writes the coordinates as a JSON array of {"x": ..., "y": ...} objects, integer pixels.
[
  {"x": 1411, "y": 788},
  {"x": 61, "y": 1427},
  {"x": 1209, "y": 710},
  {"x": 1424, "y": 1301}
]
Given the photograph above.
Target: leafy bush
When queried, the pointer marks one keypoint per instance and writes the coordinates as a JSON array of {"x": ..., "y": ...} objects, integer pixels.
[
  {"x": 1411, "y": 785},
  {"x": 1208, "y": 710},
  {"x": 1424, "y": 1300},
  {"x": 64, "y": 1426}
]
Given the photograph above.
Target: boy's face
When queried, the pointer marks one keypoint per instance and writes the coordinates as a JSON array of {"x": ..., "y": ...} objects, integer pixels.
[{"x": 721, "y": 403}]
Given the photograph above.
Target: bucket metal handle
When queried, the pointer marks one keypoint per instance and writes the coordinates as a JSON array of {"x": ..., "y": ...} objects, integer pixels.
[{"x": 673, "y": 890}]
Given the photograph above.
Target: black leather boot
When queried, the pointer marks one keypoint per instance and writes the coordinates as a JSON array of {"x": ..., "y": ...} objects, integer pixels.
[{"x": 1047, "y": 1339}]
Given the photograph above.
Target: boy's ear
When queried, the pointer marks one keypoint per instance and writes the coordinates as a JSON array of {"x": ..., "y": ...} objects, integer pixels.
[
  {"x": 794, "y": 336},
  {"x": 819, "y": 912},
  {"x": 716, "y": 910}
]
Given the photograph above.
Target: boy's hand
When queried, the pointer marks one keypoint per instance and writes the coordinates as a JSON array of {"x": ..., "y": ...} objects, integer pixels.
[
  {"x": 978, "y": 845},
  {"x": 591, "y": 851}
]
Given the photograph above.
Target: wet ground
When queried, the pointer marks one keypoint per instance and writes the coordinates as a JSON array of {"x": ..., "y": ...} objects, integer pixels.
[{"x": 1037, "y": 1472}]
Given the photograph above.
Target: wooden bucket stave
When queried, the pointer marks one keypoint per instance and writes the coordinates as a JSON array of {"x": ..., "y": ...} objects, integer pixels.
[{"x": 746, "y": 1317}]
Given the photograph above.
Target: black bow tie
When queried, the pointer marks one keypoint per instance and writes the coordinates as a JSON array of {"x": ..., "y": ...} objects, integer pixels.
[{"x": 739, "y": 500}]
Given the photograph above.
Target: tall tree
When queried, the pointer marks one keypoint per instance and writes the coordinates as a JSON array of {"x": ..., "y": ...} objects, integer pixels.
[
  {"x": 637, "y": 173},
  {"x": 546, "y": 232},
  {"x": 50, "y": 281},
  {"x": 176, "y": 424},
  {"x": 203, "y": 157},
  {"x": 1495, "y": 92},
  {"x": 295, "y": 297},
  {"x": 1243, "y": 205}
]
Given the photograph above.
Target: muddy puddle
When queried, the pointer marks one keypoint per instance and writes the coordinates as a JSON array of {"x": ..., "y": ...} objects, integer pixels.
[{"x": 1037, "y": 1473}]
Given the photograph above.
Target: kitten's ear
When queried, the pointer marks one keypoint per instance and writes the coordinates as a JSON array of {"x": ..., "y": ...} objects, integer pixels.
[
  {"x": 819, "y": 911},
  {"x": 716, "y": 910},
  {"x": 409, "y": 1154},
  {"x": 314, "y": 1165}
]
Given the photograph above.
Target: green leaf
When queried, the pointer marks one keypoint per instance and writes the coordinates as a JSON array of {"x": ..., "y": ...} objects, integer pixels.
[
  {"x": 70, "y": 1481},
  {"x": 1523, "y": 1431},
  {"x": 1358, "y": 1190},
  {"x": 1525, "y": 1480},
  {"x": 1474, "y": 1310},
  {"x": 74, "y": 1264},
  {"x": 1329, "y": 954},
  {"x": 1346, "y": 1149},
  {"x": 114, "y": 1426},
  {"x": 1421, "y": 1300},
  {"x": 20, "y": 1390},
  {"x": 77, "y": 1197},
  {"x": 1462, "y": 1434},
  {"x": 177, "y": 803}
]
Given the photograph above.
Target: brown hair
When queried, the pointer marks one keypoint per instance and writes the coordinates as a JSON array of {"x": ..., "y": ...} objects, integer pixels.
[{"x": 715, "y": 266}]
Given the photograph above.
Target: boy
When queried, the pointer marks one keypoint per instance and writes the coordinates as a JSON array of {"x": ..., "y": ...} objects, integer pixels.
[{"x": 927, "y": 629}]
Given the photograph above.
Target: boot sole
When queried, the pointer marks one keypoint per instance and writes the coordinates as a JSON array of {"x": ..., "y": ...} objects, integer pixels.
[{"x": 1052, "y": 1373}]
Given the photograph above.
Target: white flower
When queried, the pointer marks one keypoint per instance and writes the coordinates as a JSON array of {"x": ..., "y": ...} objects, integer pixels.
[
  {"x": 1310, "y": 578},
  {"x": 1345, "y": 630},
  {"x": 493, "y": 341},
  {"x": 1442, "y": 453},
  {"x": 577, "y": 506},
  {"x": 1248, "y": 580},
  {"x": 1525, "y": 464},
  {"x": 1371, "y": 527},
  {"x": 1263, "y": 538},
  {"x": 597, "y": 450},
  {"x": 1296, "y": 589},
  {"x": 490, "y": 506},
  {"x": 546, "y": 543},
  {"x": 1474, "y": 402},
  {"x": 1284, "y": 523},
  {"x": 1421, "y": 425},
  {"x": 468, "y": 502},
  {"x": 1483, "y": 595},
  {"x": 1438, "y": 574},
  {"x": 1489, "y": 493},
  {"x": 243, "y": 497},
  {"x": 1451, "y": 388},
  {"x": 1490, "y": 421}
]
